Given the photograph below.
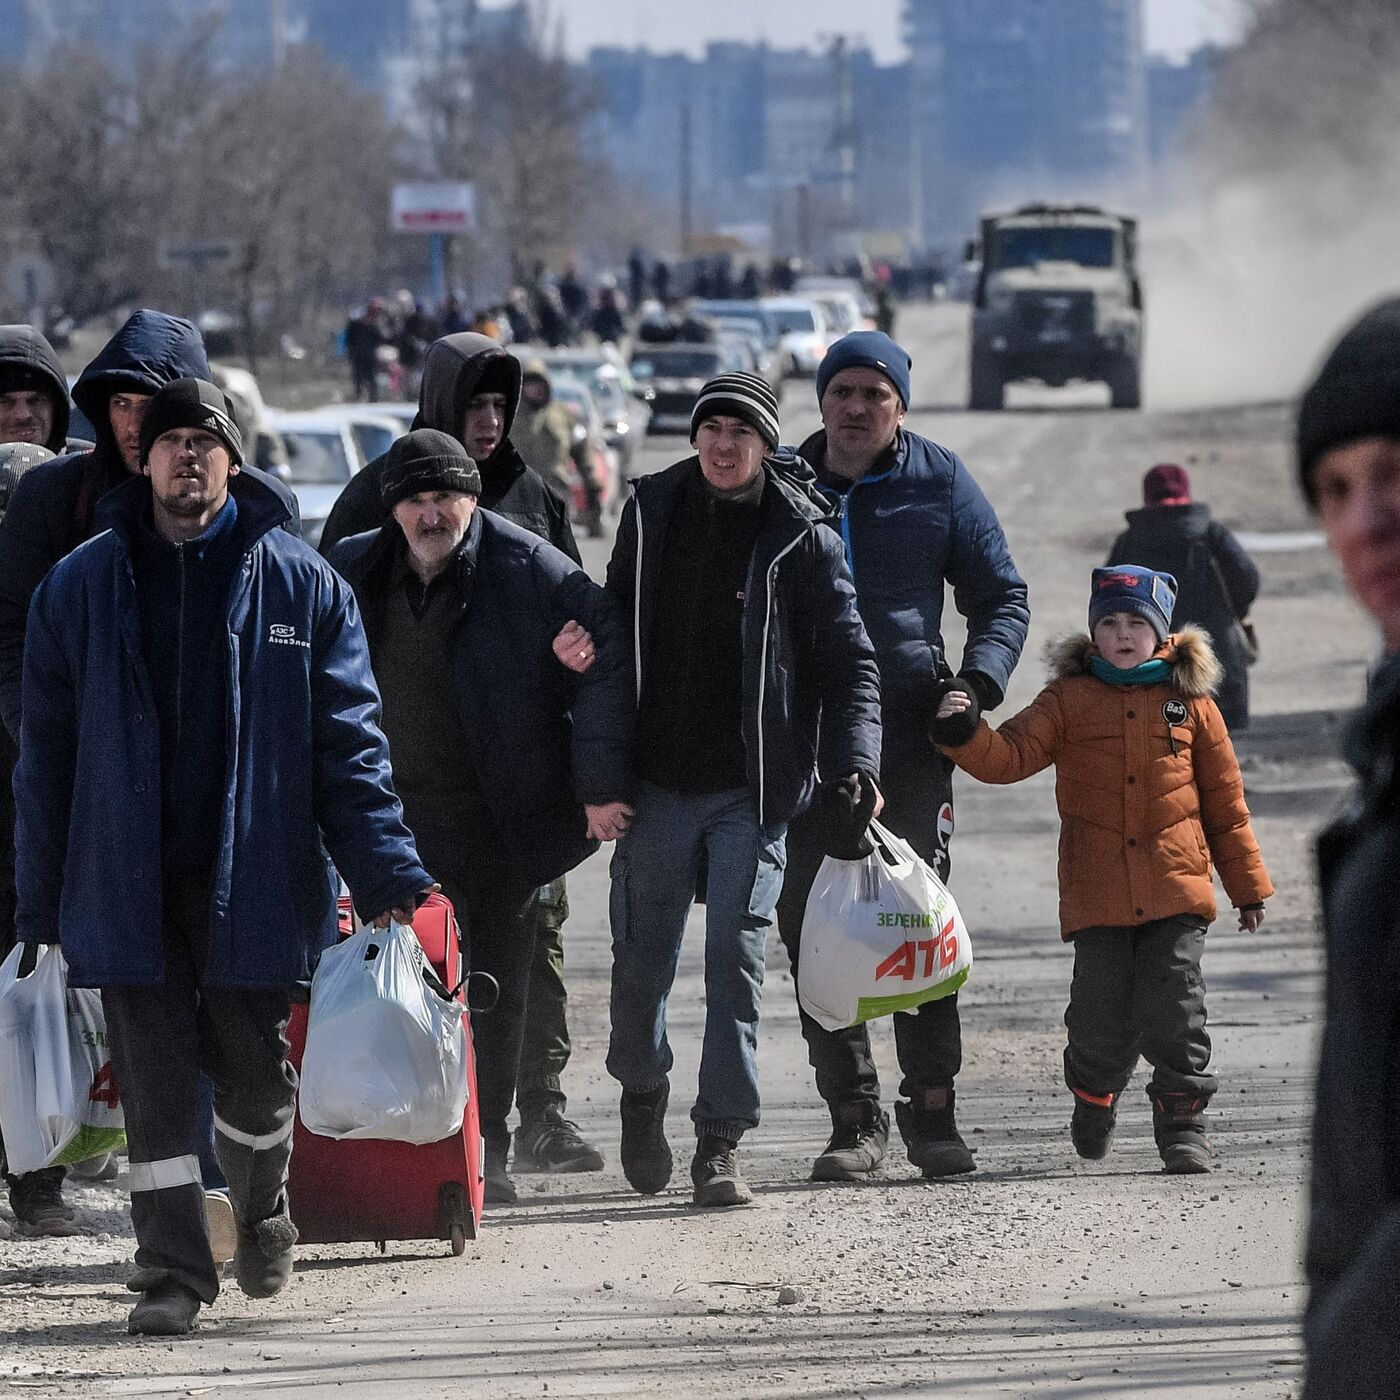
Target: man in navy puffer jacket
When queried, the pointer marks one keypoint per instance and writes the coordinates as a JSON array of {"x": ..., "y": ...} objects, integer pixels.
[
  {"x": 913, "y": 521},
  {"x": 200, "y": 729}
]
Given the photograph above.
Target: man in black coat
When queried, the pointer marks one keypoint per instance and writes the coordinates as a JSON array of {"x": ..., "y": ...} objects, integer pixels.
[
  {"x": 511, "y": 767},
  {"x": 1349, "y": 456},
  {"x": 34, "y": 403},
  {"x": 752, "y": 670},
  {"x": 471, "y": 391},
  {"x": 1216, "y": 580}
]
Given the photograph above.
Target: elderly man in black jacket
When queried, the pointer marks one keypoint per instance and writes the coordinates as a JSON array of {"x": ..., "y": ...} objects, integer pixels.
[
  {"x": 510, "y": 766},
  {"x": 753, "y": 671},
  {"x": 1349, "y": 456}
]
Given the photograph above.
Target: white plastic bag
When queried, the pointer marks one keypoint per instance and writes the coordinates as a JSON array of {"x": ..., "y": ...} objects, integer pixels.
[
  {"x": 386, "y": 1054},
  {"x": 879, "y": 935},
  {"x": 58, "y": 1096}
]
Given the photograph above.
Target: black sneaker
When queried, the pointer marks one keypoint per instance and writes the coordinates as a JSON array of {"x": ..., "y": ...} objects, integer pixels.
[
  {"x": 931, "y": 1137},
  {"x": 714, "y": 1172},
  {"x": 1179, "y": 1125},
  {"x": 860, "y": 1135},
  {"x": 1091, "y": 1126},
  {"x": 500, "y": 1189},
  {"x": 646, "y": 1155},
  {"x": 554, "y": 1144},
  {"x": 37, "y": 1201}
]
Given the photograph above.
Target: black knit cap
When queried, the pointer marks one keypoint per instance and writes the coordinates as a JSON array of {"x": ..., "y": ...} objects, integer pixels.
[
  {"x": 427, "y": 460},
  {"x": 1356, "y": 393},
  {"x": 190, "y": 403},
  {"x": 738, "y": 395}
]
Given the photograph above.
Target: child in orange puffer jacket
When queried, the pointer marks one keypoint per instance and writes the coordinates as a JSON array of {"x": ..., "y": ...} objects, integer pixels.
[{"x": 1150, "y": 795}]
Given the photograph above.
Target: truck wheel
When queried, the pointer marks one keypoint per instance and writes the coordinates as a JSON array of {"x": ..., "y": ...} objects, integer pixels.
[
  {"x": 987, "y": 391},
  {"x": 1125, "y": 384}
]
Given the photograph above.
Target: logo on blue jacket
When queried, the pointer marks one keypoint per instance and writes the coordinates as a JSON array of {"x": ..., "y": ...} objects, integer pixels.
[{"x": 283, "y": 634}]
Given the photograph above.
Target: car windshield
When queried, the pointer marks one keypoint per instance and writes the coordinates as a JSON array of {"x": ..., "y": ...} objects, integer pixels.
[
  {"x": 794, "y": 318},
  {"x": 372, "y": 439},
  {"x": 676, "y": 364},
  {"x": 1025, "y": 247},
  {"x": 316, "y": 458}
]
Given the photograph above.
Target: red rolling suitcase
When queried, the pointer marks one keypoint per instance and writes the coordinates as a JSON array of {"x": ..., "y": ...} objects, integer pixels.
[{"x": 374, "y": 1190}]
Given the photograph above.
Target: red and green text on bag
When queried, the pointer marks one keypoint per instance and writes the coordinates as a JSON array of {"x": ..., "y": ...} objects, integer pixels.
[{"x": 879, "y": 935}]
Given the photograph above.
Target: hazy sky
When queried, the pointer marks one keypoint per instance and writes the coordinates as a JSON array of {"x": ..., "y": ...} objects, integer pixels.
[{"x": 1173, "y": 26}]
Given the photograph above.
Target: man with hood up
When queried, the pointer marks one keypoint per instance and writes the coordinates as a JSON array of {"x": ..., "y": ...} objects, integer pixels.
[
  {"x": 471, "y": 391},
  {"x": 33, "y": 391},
  {"x": 53, "y": 510}
]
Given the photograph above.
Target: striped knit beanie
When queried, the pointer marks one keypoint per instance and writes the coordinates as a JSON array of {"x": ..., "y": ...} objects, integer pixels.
[{"x": 738, "y": 395}]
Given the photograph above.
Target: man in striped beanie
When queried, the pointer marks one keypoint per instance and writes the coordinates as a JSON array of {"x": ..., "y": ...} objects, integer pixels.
[{"x": 753, "y": 669}]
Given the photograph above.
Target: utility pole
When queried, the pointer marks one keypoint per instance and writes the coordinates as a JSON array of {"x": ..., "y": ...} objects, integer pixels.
[{"x": 687, "y": 191}]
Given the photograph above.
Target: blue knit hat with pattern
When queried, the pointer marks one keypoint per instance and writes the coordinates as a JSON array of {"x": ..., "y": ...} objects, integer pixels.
[{"x": 1128, "y": 588}]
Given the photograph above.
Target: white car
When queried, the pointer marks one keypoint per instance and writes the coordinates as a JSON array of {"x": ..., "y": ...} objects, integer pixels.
[
  {"x": 374, "y": 426},
  {"x": 805, "y": 334},
  {"x": 323, "y": 455}
]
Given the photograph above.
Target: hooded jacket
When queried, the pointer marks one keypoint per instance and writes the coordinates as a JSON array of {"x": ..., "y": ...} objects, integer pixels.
[
  {"x": 917, "y": 522},
  {"x": 1216, "y": 585},
  {"x": 54, "y": 506},
  {"x": 22, "y": 347},
  {"x": 542, "y": 740},
  {"x": 307, "y": 768},
  {"x": 453, "y": 369},
  {"x": 811, "y": 689},
  {"x": 1353, "y": 1250},
  {"x": 1147, "y": 784}
]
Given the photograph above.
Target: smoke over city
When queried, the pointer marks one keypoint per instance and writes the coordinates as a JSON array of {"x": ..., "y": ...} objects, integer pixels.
[{"x": 1280, "y": 224}]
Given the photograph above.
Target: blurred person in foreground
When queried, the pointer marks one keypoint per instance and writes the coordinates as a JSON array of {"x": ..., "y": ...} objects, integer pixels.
[
  {"x": 1217, "y": 580},
  {"x": 510, "y": 767},
  {"x": 472, "y": 391},
  {"x": 913, "y": 521},
  {"x": 1348, "y": 443},
  {"x": 201, "y": 672}
]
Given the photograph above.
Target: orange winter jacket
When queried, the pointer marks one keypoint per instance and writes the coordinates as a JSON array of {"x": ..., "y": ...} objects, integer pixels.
[{"x": 1147, "y": 784}]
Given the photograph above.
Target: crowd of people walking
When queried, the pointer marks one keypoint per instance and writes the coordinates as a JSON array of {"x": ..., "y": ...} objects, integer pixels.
[{"x": 443, "y": 699}]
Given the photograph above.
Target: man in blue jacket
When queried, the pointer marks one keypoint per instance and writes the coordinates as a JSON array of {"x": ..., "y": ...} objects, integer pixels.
[
  {"x": 511, "y": 767},
  {"x": 912, "y": 520},
  {"x": 752, "y": 670},
  {"x": 200, "y": 728},
  {"x": 52, "y": 510}
]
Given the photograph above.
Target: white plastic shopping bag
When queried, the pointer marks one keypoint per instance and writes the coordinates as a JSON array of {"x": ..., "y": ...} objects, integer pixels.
[
  {"x": 58, "y": 1096},
  {"x": 386, "y": 1053},
  {"x": 879, "y": 935}
]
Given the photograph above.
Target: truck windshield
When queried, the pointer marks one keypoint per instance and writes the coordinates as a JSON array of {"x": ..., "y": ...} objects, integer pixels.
[{"x": 1024, "y": 247}]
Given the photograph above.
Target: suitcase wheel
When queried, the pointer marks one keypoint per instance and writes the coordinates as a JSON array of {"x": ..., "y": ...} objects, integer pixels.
[
  {"x": 382, "y": 1246},
  {"x": 459, "y": 1241},
  {"x": 453, "y": 1216}
]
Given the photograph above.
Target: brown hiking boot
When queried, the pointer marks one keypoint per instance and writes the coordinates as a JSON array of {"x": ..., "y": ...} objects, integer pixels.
[
  {"x": 714, "y": 1172},
  {"x": 931, "y": 1136}
]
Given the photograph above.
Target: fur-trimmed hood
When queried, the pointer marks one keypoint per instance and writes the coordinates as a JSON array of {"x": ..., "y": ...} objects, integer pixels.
[{"x": 1195, "y": 670}]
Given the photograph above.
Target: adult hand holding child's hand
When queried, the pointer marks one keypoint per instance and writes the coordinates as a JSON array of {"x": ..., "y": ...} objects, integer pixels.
[
  {"x": 1251, "y": 916},
  {"x": 956, "y": 718}
]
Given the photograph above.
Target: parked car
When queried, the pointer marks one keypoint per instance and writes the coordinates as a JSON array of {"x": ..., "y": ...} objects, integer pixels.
[
  {"x": 589, "y": 444},
  {"x": 677, "y": 373},
  {"x": 802, "y": 325},
  {"x": 752, "y": 312},
  {"x": 374, "y": 428},
  {"x": 851, "y": 287},
  {"x": 767, "y": 362},
  {"x": 322, "y": 455}
]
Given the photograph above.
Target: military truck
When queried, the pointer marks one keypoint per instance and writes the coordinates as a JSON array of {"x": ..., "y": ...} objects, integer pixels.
[{"x": 1057, "y": 300}]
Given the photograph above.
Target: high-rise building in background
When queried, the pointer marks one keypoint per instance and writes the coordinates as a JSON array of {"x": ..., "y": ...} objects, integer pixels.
[{"x": 1023, "y": 98}]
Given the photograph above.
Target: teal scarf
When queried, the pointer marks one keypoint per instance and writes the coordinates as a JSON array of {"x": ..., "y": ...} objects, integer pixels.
[{"x": 1152, "y": 672}]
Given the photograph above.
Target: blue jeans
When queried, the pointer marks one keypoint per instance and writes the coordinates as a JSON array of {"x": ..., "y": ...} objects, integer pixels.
[{"x": 674, "y": 841}]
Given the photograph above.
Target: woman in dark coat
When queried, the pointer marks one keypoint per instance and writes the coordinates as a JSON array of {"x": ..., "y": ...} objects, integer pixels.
[{"x": 1216, "y": 580}]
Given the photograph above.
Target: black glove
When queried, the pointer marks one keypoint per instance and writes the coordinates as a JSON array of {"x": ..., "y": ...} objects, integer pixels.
[
  {"x": 956, "y": 730},
  {"x": 845, "y": 808}
]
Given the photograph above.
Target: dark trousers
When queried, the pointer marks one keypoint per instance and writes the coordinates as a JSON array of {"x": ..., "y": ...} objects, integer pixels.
[
  {"x": 1139, "y": 991},
  {"x": 545, "y": 1046},
  {"x": 498, "y": 911},
  {"x": 161, "y": 1039},
  {"x": 917, "y": 782}
]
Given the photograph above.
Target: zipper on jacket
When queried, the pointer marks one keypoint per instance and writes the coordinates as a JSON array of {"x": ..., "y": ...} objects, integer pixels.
[
  {"x": 179, "y": 660},
  {"x": 763, "y": 666},
  {"x": 843, "y": 511},
  {"x": 637, "y": 602}
]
